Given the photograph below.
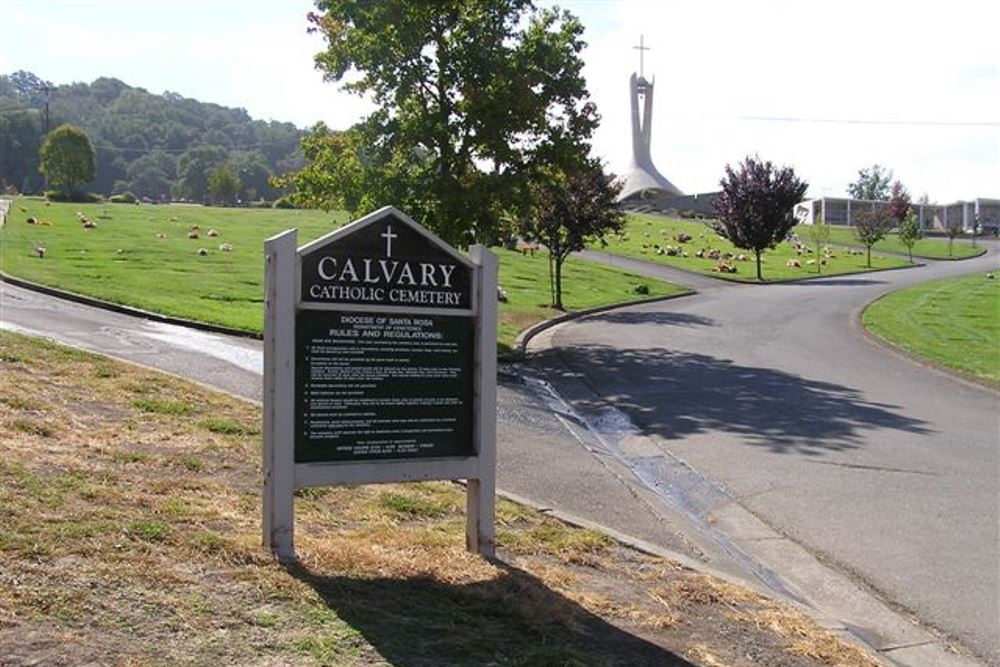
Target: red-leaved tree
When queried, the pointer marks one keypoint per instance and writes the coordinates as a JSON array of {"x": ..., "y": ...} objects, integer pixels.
[
  {"x": 899, "y": 203},
  {"x": 755, "y": 207}
]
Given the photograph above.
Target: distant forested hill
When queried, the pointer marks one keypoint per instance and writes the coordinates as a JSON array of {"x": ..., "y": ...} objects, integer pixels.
[{"x": 156, "y": 146}]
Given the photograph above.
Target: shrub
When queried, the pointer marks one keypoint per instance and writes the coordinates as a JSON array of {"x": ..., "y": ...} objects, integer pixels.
[
  {"x": 123, "y": 198},
  {"x": 75, "y": 197},
  {"x": 284, "y": 202},
  {"x": 641, "y": 288}
]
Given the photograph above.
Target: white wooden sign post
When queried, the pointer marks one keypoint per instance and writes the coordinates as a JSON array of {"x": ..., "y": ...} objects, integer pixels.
[{"x": 379, "y": 366}]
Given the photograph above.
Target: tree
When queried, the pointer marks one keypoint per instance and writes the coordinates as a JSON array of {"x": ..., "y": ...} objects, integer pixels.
[
  {"x": 67, "y": 157},
  {"x": 568, "y": 211},
  {"x": 870, "y": 226},
  {"x": 223, "y": 185},
  {"x": 472, "y": 94},
  {"x": 755, "y": 205},
  {"x": 819, "y": 234},
  {"x": 909, "y": 232},
  {"x": 871, "y": 184},
  {"x": 899, "y": 203},
  {"x": 194, "y": 167},
  {"x": 952, "y": 229}
]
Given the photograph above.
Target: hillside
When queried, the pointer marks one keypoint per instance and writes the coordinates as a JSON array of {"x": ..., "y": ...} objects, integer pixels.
[{"x": 156, "y": 146}]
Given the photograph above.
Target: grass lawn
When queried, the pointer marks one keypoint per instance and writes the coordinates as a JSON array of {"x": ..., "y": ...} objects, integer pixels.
[
  {"x": 953, "y": 322},
  {"x": 644, "y": 232},
  {"x": 585, "y": 285},
  {"x": 926, "y": 248},
  {"x": 130, "y": 535},
  {"x": 125, "y": 260}
]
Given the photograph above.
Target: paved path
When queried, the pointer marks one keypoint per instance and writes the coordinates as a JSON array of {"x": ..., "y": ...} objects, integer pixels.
[{"x": 886, "y": 469}]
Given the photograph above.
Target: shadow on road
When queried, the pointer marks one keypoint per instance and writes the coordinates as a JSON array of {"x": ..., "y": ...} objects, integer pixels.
[
  {"x": 679, "y": 394},
  {"x": 668, "y": 318},
  {"x": 510, "y": 619},
  {"x": 820, "y": 282}
]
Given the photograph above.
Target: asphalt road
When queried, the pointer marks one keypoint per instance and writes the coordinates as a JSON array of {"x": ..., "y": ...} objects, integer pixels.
[{"x": 886, "y": 469}]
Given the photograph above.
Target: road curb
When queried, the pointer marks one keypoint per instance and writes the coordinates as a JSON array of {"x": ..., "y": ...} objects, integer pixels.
[
  {"x": 126, "y": 310},
  {"x": 523, "y": 338}
]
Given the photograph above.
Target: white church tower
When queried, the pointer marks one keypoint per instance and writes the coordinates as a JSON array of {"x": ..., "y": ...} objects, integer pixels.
[{"x": 642, "y": 179}]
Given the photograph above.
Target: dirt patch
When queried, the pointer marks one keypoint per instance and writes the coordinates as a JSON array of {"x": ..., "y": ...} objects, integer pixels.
[{"x": 130, "y": 536}]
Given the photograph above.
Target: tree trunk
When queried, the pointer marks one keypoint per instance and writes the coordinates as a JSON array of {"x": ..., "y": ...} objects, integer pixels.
[
  {"x": 558, "y": 283},
  {"x": 760, "y": 278},
  {"x": 552, "y": 279},
  {"x": 869, "y": 248},
  {"x": 909, "y": 251}
]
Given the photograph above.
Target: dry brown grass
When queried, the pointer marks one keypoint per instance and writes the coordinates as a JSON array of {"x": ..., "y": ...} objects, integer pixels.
[{"x": 130, "y": 536}]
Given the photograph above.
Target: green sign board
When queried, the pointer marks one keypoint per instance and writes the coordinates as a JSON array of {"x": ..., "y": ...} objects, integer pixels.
[{"x": 375, "y": 386}]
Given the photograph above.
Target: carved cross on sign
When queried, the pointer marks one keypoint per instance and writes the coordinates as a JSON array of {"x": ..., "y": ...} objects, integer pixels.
[{"x": 388, "y": 236}]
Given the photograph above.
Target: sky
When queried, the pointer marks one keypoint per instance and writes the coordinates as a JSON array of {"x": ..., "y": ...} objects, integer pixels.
[{"x": 827, "y": 87}]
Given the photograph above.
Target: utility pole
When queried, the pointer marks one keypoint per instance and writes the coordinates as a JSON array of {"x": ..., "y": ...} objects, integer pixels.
[{"x": 46, "y": 88}]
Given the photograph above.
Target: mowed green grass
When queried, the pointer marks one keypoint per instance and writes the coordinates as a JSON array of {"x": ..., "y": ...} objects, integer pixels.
[
  {"x": 122, "y": 260},
  {"x": 585, "y": 285},
  {"x": 953, "y": 322},
  {"x": 643, "y": 232},
  {"x": 926, "y": 248}
]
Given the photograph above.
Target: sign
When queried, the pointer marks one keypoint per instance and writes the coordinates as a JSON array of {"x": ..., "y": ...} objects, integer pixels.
[
  {"x": 386, "y": 263},
  {"x": 382, "y": 386},
  {"x": 379, "y": 366}
]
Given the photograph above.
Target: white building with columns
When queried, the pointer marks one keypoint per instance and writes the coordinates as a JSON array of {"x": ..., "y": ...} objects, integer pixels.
[{"x": 842, "y": 211}]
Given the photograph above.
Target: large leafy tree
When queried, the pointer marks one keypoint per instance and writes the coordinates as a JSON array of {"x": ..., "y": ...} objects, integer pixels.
[
  {"x": 194, "y": 167},
  {"x": 67, "y": 157},
  {"x": 471, "y": 95},
  {"x": 755, "y": 205},
  {"x": 872, "y": 184},
  {"x": 224, "y": 185},
  {"x": 569, "y": 210}
]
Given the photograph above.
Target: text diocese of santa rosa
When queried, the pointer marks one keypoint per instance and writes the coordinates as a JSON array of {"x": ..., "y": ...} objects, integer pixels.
[{"x": 381, "y": 280}]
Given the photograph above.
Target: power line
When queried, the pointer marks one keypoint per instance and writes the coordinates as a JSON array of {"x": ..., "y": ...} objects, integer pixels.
[{"x": 848, "y": 121}]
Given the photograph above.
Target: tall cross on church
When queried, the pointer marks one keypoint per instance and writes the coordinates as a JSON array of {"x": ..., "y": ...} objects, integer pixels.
[{"x": 641, "y": 48}]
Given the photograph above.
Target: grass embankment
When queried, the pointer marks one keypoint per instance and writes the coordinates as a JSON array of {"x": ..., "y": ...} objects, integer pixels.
[
  {"x": 130, "y": 536},
  {"x": 141, "y": 256},
  {"x": 646, "y": 235},
  {"x": 925, "y": 248},
  {"x": 953, "y": 322}
]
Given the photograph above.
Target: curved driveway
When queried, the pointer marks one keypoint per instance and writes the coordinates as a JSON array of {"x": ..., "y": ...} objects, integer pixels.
[{"x": 884, "y": 468}]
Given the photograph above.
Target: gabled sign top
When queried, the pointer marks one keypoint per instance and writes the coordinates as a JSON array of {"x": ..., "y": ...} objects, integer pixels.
[{"x": 385, "y": 259}]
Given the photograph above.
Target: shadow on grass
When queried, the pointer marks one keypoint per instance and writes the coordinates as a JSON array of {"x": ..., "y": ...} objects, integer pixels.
[
  {"x": 513, "y": 619},
  {"x": 680, "y": 394}
]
